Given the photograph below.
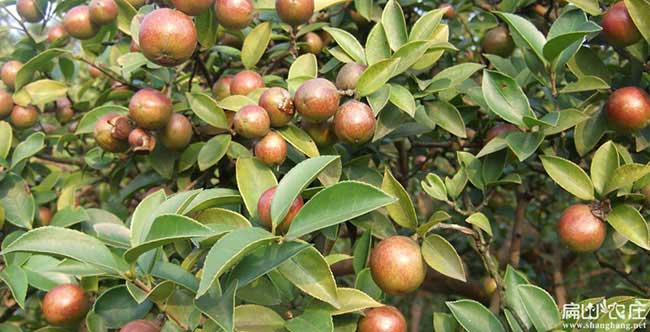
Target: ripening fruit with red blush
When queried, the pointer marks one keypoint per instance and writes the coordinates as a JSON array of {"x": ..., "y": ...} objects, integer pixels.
[
  {"x": 167, "y": 37},
  {"x": 9, "y": 71},
  {"x": 278, "y": 103},
  {"x": 264, "y": 211},
  {"x": 103, "y": 134},
  {"x": 57, "y": 33},
  {"x": 271, "y": 149},
  {"x": 252, "y": 121},
  {"x": 397, "y": 266},
  {"x": 193, "y": 7},
  {"x": 78, "y": 24},
  {"x": 141, "y": 326},
  {"x": 103, "y": 12},
  {"x": 221, "y": 88},
  {"x": 618, "y": 27},
  {"x": 23, "y": 117},
  {"x": 245, "y": 82},
  {"x": 150, "y": 109},
  {"x": 6, "y": 103},
  {"x": 355, "y": 122},
  {"x": 30, "y": 10},
  {"x": 65, "y": 305},
  {"x": 580, "y": 230},
  {"x": 317, "y": 99},
  {"x": 178, "y": 132},
  {"x": 234, "y": 14},
  {"x": 500, "y": 130},
  {"x": 382, "y": 319},
  {"x": 294, "y": 12},
  {"x": 628, "y": 108}
]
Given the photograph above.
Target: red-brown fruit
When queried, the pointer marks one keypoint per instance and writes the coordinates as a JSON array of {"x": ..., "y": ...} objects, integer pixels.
[
  {"x": 150, "y": 109},
  {"x": 193, "y": 7},
  {"x": 121, "y": 127},
  {"x": 252, "y": 121},
  {"x": 294, "y": 12},
  {"x": 313, "y": 43},
  {"x": 9, "y": 71},
  {"x": 141, "y": 142},
  {"x": 449, "y": 10},
  {"x": 271, "y": 149},
  {"x": 580, "y": 230},
  {"x": 618, "y": 27},
  {"x": 628, "y": 108},
  {"x": 317, "y": 99},
  {"x": 348, "y": 76},
  {"x": 264, "y": 211},
  {"x": 500, "y": 130},
  {"x": 382, "y": 319},
  {"x": 140, "y": 326},
  {"x": 78, "y": 24},
  {"x": 397, "y": 266},
  {"x": 245, "y": 82},
  {"x": 65, "y": 305},
  {"x": 44, "y": 215},
  {"x": 56, "y": 33},
  {"x": 178, "y": 132},
  {"x": 64, "y": 114},
  {"x": 354, "y": 122},
  {"x": 277, "y": 102},
  {"x": 30, "y": 10},
  {"x": 234, "y": 14},
  {"x": 322, "y": 133},
  {"x": 103, "y": 11},
  {"x": 24, "y": 117},
  {"x": 6, "y": 103},
  {"x": 94, "y": 72},
  {"x": 221, "y": 88},
  {"x": 167, "y": 37},
  {"x": 498, "y": 41},
  {"x": 104, "y": 135}
]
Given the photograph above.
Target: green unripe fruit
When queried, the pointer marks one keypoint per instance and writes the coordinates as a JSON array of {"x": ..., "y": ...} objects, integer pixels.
[{"x": 498, "y": 41}]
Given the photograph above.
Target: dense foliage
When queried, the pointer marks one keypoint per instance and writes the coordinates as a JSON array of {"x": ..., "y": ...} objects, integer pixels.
[{"x": 324, "y": 165}]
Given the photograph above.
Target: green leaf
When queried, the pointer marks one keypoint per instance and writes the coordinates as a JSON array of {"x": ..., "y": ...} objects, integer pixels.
[
  {"x": 310, "y": 273},
  {"x": 313, "y": 321},
  {"x": 40, "y": 92},
  {"x": 207, "y": 110},
  {"x": 409, "y": 54},
  {"x": 639, "y": 10},
  {"x": 117, "y": 307},
  {"x": 569, "y": 176},
  {"x": 361, "y": 251},
  {"x": 6, "y": 137},
  {"x": 441, "y": 256},
  {"x": 590, "y": 6},
  {"x": 524, "y": 144},
  {"x": 294, "y": 182},
  {"x": 453, "y": 76},
  {"x": 571, "y": 27},
  {"x": 228, "y": 251},
  {"x": 392, "y": 18},
  {"x": 588, "y": 133},
  {"x": 27, "y": 148},
  {"x": 403, "y": 99},
  {"x": 585, "y": 83},
  {"x": 625, "y": 176},
  {"x": 220, "y": 310},
  {"x": 126, "y": 12},
  {"x": 70, "y": 216},
  {"x": 299, "y": 139},
  {"x": 377, "y": 48},
  {"x": 348, "y": 43},
  {"x": 376, "y": 75},
  {"x": 212, "y": 197},
  {"x": 505, "y": 98},
  {"x": 475, "y": 317},
  {"x": 255, "y": 44},
  {"x": 207, "y": 28},
  {"x": 304, "y": 66},
  {"x": 264, "y": 260},
  {"x": 159, "y": 292},
  {"x": 586, "y": 62},
  {"x": 16, "y": 279},
  {"x": 17, "y": 201},
  {"x": 630, "y": 312},
  {"x": 235, "y": 103},
  {"x": 627, "y": 221},
  {"x": 176, "y": 274},
  {"x": 351, "y": 300},
  {"x": 540, "y": 306},
  {"x": 447, "y": 117},
  {"x": 603, "y": 165},
  {"x": 426, "y": 25},
  {"x": 41, "y": 62},
  {"x": 253, "y": 179},
  {"x": 402, "y": 211},
  {"x": 481, "y": 221},
  {"x": 213, "y": 151},
  {"x": 89, "y": 119},
  {"x": 256, "y": 318},
  {"x": 524, "y": 30},
  {"x": 435, "y": 187},
  {"x": 513, "y": 299},
  {"x": 443, "y": 322}
]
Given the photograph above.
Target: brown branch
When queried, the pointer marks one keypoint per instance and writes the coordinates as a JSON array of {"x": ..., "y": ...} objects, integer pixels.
[
  {"x": 622, "y": 274},
  {"x": 520, "y": 214}
]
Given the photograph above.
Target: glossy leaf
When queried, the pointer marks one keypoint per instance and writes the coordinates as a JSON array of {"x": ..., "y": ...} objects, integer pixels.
[
  {"x": 441, "y": 256},
  {"x": 569, "y": 176},
  {"x": 540, "y": 306},
  {"x": 255, "y": 44},
  {"x": 253, "y": 179},
  {"x": 402, "y": 211},
  {"x": 376, "y": 75},
  {"x": 310, "y": 273},
  {"x": 505, "y": 98},
  {"x": 348, "y": 43},
  {"x": 474, "y": 317},
  {"x": 627, "y": 221}
]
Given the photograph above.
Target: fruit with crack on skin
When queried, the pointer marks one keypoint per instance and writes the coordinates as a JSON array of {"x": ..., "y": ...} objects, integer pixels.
[
  {"x": 193, "y": 7},
  {"x": 580, "y": 230},
  {"x": 355, "y": 122},
  {"x": 234, "y": 14},
  {"x": 141, "y": 142},
  {"x": 264, "y": 211},
  {"x": 121, "y": 127},
  {"x": 498, "y": 41},
  {"x": 294, "y": 12},
  {"x": 382, "y": 319},
  {"x": 628, "y": 108},
  {"x": 103, "y": 134},
  {"x": 317, "y": 99},
  {"x": 252, "y": 121},
  {"x": 65, "y": 305},
  {"x": 9, "y": 71},
  {"x": 78, "y": 24},
  {"x": 397, "y": 266},
  {"x": 278, "y": 103},
  {"x": 245, "y": 82},
  {"x": 24, "y": 117},
  {"x": 178, "y": 132},
  {"x": 618, "y": 27},
  {"x": 103, "y": 12},
  {"x": 271, "y": 149},
  {"x": 167, "y": 37},
  {"x": 150, "y": 109}
]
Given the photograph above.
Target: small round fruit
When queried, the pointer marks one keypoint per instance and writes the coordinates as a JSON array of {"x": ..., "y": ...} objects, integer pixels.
[
  {"x": 382, "y": 319},
  {"x": 628, "y": 108},
  {"x": 150, "y": 109},
  {"x": 24, "y": 117},
  {"x": 397, "y": 266},
  {"x": 500, "y": 130},
  {"x": 178, "y": 132},
  {"x": 277, "y": 102},
  {"x": 193, "y": 7},
  {"x": 580, "y": 230},
  {"x": 354, "y": 122},
  {"x": 498, "y": 41},
  {"x": 94, "y": 72},
  {"x": 294, "y": 12},
  {"x": 264, "y": 210},
  {"x": 252, "y": 121},
  {"x": 489, "y": 285},
  {"x": 140, "y": 326},
  {"x": 234, "y": 14},
  {"x": 9, "y": 71},
  {"x": 64, "y": 114},
  {"x": 57, "y": 33},
  {"x": 221, "y": 88},
  {"x": 78, "y": 24},
  {"x": 44, "y": 216},
  {"x": 322, "y": 133},
  {"x": 618, "y": 27},
  {"x": 103, "y": 134},
  {"x": 450, "y": 12},
  {"x": 65, "y": 305},
  {"x": 103, "y": 11},
  {"x": 271, "y": 149},
  {"x": 167, "y": 37},
  {"x": 30, "y": 10},
  {"x": 6, "y": 103},
  {"x": 121, "y": 127},
  {"x": 313, "y": 43},
  {"x": 317, "y": 99},
  {"x": 141, "y": 142},
  {"x": 245, "y": 82},
  {"x": 348, "y": 76}
]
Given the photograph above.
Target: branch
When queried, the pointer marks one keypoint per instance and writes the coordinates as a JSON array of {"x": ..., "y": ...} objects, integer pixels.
[
  {"x": 520, "y": 214},
  {"x": 622, "y": 274}
]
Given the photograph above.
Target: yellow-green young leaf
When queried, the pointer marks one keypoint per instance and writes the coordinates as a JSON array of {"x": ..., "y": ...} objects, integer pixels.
[
  {"x": 447, "y": 117},
  {"x": 603, "y": 165},
  {"x": 6, "y": 137},
  {"x": 443, "y": 322},
  {"x": 426, "y": 25},
  {"x": 377, "y": 48},
  {"x": 475, "y": 317},
  {"x": 255, "y": 44},
  {"x": 299, "y": 139},
  {"x": 434, "y": 186},
  {"x": 348, "y": 43},
  {"x": 394, "y": 24},
  {"x": 257, "y": 318},
  {"x": 409, "y": 54},
  {"x": 213, "y": 151},
  {"x": 39, "y": 62},
  {"x": 235, "y": 103},
  {"x": 350, "y": 300},
  {"x": 585, "y": 83},
  {"x": 40, "y": 92},
  {"x": 375, "y": 76},
  {"x": 640, "y": 12},
  {"x": 627, "y": 221},
  {"x": 322, "y": 4},
  {"x": 569, "y": 176},
  {"x": 403, "y": 99},
  {"x": 540, "y": 306},
  {"x": 625, "y": 176},
  {"x": 207, "y": 110},
  {"x": 481, "y": 221},
  {"x": 310, "y": 272},
  {"x": 590, "y": 6},
  {"x": 440, "y": 34},
  {"x": 253, "y": 178},
  {"x": 159, "y": 292},
  {"x": 441, "y": 256},
  {"x": 436, "y": 218},
  {"x": 402, "y": 211},
  {"x": 304, "y": 66}
]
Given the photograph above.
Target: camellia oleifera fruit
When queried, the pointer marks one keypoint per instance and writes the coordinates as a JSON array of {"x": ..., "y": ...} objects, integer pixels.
[
  {"x": 221, "y": 88},
  {"x": 382, "y": 319},
  {"x": 500, "y": 130},
  {"x": 141, "y": 142},
  {"x": 78, "y": 24},
  {"x": 278, "y": 103},
  {"x": 450, "y": 12},
  {"x": 234, "y": 14},
  {"x": 355, "y": 122},
  {"x": 245, "y": 82},
  {"x": 177, "y": 134},
  {"x": 167, "y": 37},
  {"x": 31, "y": 10},
  {"x": 294, "y": 12},
  {"x": 9, "y": 71},
  {"x": 57, "y": 33},
  {"x": 317, "y": 99},
  {"x": 618, "y": 27},
  {"x": 252, "y": 121},
  {"x": 193, "y": 7},
  {"x": 141, "y": 326},
  {"x": 312, "y": 43},
  {"x": 103, "y": 134},
  {"x": 397, "y": 266},
  {"x": 271, "y": 149},
  {"x": 348, "y": 76},
  {"x": 264, "y": 210},
  {"x": 6, "y": 103},
  {"x": 23, "y": 117},
  {"x": 580, "y": 230},
  {"x": 150, "y": 109},
  {"x": 44, "y": 216},
  {"x": 628, "y": 108},
  {"x": 498, "y": 41},
  {"x": 103, "y": 11},
  {"x": 65, "y": 305},
  {"x": 322, "y": 133}
]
